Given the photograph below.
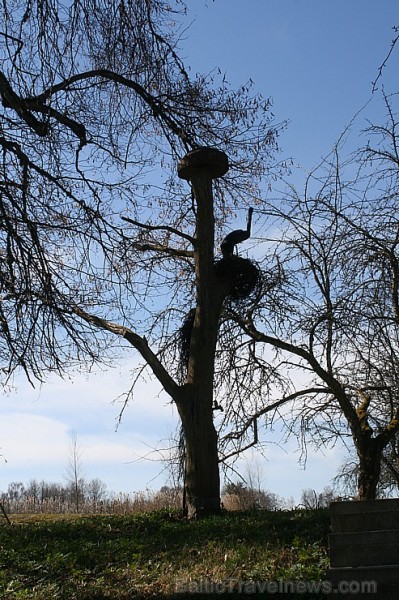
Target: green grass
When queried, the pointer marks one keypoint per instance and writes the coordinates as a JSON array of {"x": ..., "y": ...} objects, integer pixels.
[{"x": 144, "y": 555}]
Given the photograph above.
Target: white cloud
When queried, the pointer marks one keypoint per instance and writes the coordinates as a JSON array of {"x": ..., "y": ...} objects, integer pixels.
[
  {"x": 36, "y": 424},
  {"x": 31, "y": 439}
]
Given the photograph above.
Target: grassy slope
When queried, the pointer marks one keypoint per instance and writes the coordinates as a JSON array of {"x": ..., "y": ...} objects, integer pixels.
[{"x": 144, "y": 555}]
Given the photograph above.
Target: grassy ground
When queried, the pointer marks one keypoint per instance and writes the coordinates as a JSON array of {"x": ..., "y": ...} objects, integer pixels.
[{"x": 157, "y": 555}]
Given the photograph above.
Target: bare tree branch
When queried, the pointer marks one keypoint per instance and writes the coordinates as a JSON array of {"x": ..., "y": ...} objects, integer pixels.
[
  {"x": 138, "y": 342},
  {"x": 385, "y": 61},
  {"x": 161, "y": 228}
]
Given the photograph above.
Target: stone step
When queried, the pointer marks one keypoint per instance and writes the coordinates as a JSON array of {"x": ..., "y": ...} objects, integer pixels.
[
  {"x": 366, "y": 548},
  {"x": 383, "y": 593},
  {"x": 374, "y": 583},
  {"x": 373, "y": 515},
  {"x": 358, "y": 506}
]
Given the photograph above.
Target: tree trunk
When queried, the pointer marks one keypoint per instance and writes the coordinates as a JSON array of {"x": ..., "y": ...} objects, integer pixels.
[
  {"x": 369, "y": 452},
  {"x": 202, "y": 482}
]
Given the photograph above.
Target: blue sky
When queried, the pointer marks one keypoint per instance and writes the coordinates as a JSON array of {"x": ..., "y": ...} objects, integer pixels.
[{"x": 317, "y": 60}]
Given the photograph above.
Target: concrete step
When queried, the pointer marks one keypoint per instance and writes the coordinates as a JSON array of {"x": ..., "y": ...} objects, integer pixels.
[
  {"x": 383, "y": 593},
  {"x": 388, "y": 574},
  {"x": 364, "y": 548},
  {"x": 371, "y": 515},
  {"x": 351, "y": 506},
  {"x": 374, "y": 583}
]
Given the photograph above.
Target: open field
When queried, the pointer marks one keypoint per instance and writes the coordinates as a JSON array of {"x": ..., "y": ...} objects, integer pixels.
[{"x": 157, "y": 555}]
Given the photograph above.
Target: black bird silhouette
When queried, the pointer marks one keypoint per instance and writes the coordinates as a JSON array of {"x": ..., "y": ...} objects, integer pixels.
[{"x": 236, "y": 237}]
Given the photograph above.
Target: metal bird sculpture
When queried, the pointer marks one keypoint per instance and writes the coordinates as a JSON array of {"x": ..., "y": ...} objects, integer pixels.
[{"x": 236, "y": 237}]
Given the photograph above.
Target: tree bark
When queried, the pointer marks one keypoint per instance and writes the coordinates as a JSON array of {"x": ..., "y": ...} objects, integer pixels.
[
  {"x": 202, "y": 482},
  {"x": 369, "y": 452}
]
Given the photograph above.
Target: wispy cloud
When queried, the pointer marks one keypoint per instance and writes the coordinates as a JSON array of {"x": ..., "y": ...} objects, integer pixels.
[{"x": 36, "y": 424}]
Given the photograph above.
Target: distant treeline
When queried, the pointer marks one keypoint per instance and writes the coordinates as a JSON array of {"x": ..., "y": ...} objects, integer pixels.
[
  {"x": 92, "y": 497},
  {"x": 88, "y": 497}
]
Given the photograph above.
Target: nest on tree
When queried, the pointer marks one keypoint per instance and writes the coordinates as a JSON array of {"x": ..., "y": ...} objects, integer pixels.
[{"x": 244, "y": 278}]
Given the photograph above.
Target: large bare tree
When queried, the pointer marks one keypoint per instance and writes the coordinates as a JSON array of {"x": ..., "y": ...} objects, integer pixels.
[
  {"x": 334, "y": 317},
  {"x": 101, "y": 243}
]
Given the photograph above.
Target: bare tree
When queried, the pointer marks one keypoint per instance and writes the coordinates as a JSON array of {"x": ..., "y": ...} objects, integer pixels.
[
  {"x": 96, "y": 490},
  {"x": 103, "y": 247},
  {"x": 32, "y": 491},
  {"x": 312, "y": 500},
  {"x": 345, "y": 481},
  {"x": 333, "y": 319},
  {"x": 74, "y": 472}
]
